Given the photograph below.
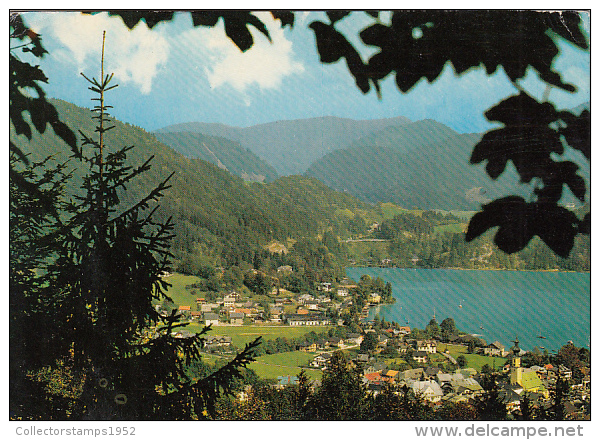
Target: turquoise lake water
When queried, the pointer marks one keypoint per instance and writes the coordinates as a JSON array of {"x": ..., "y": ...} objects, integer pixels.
[{"x": 498, "y": 305}]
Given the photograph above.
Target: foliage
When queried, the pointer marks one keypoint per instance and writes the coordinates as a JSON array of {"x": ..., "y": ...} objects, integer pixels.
[
  {"x": 489, "y": 405},
  {"x": 418, "y": 44},
  {"x": 433, "y": 328},
  {"x": 221, "y": 152},
  {"x": 103, "y": 276},
  {"x": 26, "y": 94},
  {"x": 341, "y": 396},
  {"x": 34, "y": 205},
  {"x": 369, "y": 342},
  {"x": 448, "y": 328}
]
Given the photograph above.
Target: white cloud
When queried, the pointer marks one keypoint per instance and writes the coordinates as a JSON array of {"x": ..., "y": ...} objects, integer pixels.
[
  {"x": 134, "y": 56},
  {"x": 264, "y": 65}
]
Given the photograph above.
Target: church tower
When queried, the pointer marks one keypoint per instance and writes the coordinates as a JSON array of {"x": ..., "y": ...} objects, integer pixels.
[{"x": 516, "y": 371}]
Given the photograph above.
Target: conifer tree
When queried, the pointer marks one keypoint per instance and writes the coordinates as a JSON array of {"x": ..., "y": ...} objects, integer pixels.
[
  {"x": 107, "y": 280},
  {"x": 35, "y": 190}
]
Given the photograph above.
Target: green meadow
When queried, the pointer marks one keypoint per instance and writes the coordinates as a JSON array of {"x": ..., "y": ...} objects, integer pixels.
[
  {"x": 241, "y": 335},
  {"x": 271, "y": 366},
  {"x": 473, "y": 360}
]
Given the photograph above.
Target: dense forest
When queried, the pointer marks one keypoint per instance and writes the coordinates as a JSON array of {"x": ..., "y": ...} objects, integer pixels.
[
  {"x": 427, "y": 241},
  {"x": 221, "y": 220}
]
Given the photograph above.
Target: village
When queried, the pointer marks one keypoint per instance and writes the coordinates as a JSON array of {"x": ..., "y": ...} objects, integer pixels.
[{"x": 434, "y": 365}]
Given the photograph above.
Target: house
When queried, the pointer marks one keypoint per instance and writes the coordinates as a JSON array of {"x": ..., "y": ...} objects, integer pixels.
[
  {"x": 213, "y": 341},
  {"x": 283, "y": 381},
  {"x": 551, "y": 371},
  {"x": 428, "y": 390},
  {"x": 402, "y": 347},
  {"x": 246, "y": 311},
  {"x": 467, "y": 386},
  {"x": 495, "y": 349},
  {"x": 510, "y": 398},
  {"x": 374, "y": 298},
  {"x": 183, "y": 334},
  {"x": 229, "y": 302},
  {"x": 342, "y": 292},
  {"x": 285, "y": 269},
  {"x": 304, "y": 297},
  {"x": 323, "y": 299},
  {"x": 207, "y": 307},
  {"x": 427, "y": 345},
  {"x": 420, "y": 356},
  {"x": 404, "y": 330},
  {"x": 196, "y": 315},
  {"x": 374, "y": 227},
  {"x": 211, "y": 319},
  {"x": 382, "y": 341},
  {"x": 336, "y": 342},
  {"x": 185, "y": 310},
  {"x": 321, "y": 360},
  {"x": 374, "y": 377},
  {"x": 540, "y": 371},
  {"x": 309, "y": 319},
  {"x": 354, "y": 338},
  {"x": 236, "y": 318},
  {"x": 564, "y": 372},
  {"x": 200, "y": 301},
  {"x": 390, "y": 375},
  {"x": 443, "y": 378},
  {"x": 411, "y": 375},
  {"x": 431, "y": 373},
  {"x": 374, "y": 367},
  {"x": 362, "y": 358},
  {"x": 311, "y": 304},
  {"x": 326, "y": 287},
  {"x": 307, "y": 346}
]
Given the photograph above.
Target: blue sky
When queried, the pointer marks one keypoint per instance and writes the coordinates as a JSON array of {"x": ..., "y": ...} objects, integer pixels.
[{"x": 177, "y": 73}]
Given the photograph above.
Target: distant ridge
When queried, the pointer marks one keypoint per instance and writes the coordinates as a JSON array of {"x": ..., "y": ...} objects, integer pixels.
[
  {"x": 291, "y": 146},
  {"x": 424, "y": 164},
  {"x": 218, "y": 217},
  {"x": 224, "y": 153}
]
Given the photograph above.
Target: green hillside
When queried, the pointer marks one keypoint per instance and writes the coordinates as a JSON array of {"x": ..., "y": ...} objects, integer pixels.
[
  {"x": 291, "y": 146},
  {"x": 224, "y": 153},
  {"x": 423, "y": 164},
  {"x": 219, "y": 218}
]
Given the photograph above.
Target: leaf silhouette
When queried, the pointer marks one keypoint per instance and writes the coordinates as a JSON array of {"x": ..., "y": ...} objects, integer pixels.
[{"x": 518, "y": 221}]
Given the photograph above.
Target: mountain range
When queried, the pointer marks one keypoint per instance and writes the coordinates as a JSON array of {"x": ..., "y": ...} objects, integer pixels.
[
  {"x": 219, "y": 218},
  {"x": 421, "y": 164},
  {"x": 223, "y": 219},
  {"x": 291, "y": 146}
]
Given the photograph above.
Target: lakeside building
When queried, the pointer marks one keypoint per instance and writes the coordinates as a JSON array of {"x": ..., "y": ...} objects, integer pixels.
[{"x": 526, "y": 378}]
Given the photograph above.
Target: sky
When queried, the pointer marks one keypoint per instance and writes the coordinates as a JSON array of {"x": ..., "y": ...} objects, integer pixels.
[{"x": 177, "y": 73}]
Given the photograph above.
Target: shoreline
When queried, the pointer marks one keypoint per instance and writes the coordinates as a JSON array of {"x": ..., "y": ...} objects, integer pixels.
[{"x": 467, "y": 269}]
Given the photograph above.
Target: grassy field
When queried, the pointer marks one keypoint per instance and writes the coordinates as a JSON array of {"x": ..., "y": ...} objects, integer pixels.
[
  {"x": 361, "y": 250},
  {"x": 473, "y": 360},
  {"x": 454, "y": 228},
  {"x": 178, "y": 293},
  {"x": 241, "y": 335},
  {"x": 282, "y": 364}
]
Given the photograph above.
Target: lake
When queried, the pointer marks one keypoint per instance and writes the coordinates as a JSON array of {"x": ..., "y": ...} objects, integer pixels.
[{"x": 498, "y": 305}]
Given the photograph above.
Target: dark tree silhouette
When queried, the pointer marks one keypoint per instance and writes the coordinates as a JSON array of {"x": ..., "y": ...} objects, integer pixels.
[
  {"x": 27, "y": 100},
  {"x": 102, "y": 278},
  {"x": 418, "y": 44}
]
